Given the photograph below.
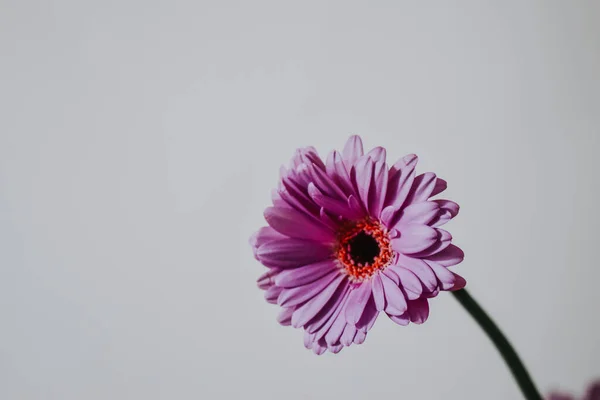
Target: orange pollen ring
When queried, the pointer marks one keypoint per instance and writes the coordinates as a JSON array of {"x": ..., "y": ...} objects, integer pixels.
[{"x": 357, "y": 270}]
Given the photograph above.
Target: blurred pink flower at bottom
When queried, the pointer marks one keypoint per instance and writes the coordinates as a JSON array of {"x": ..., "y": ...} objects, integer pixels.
[{"x": 593, "y": 393}]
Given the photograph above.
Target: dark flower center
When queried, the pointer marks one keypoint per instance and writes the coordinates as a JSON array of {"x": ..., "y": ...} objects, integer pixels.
[{"x": 363, "y": 249}]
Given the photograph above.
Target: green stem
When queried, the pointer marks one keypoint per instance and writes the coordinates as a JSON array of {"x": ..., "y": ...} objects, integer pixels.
[{"x": 502, "y": 344}]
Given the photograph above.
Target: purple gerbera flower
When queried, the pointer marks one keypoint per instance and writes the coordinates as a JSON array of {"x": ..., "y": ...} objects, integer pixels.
[{"x": 350, "y": 238}]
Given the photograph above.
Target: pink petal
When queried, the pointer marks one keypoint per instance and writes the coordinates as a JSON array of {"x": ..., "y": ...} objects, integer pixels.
[
  {"x": 410, "y": 283},
  {"x": 283, "y": 172},
  {"x": 368, "y": 317},
  {"x": 440, "y": 186},
  {"x": 348, "y": 335},
  {"x": 296, "y": 159},
  {"x": 459, "y": 283},
  {"x": 448, "y": 257},
  {"x": 392, "y": 275},
  {"x": 296, "y": 197},
  {"x": 318, "y": 349},
  {"x": 443, "y": 241},
  {"x": 309, "y": 340},
  {"x": 414, "y": 238},
  {"x": 300, "y": 175},
  {"x": 360, "y": 337},
  {"x": 335, "y": 349},
  {"x": 448, "y": 210},
  {"x": 402, "y": 320},
  {"x": 289, "y": 201},
  {"x": 378, "y": 295},
  {"x": 294, "y": 296},
  {"x": 313, "y": 158},
  {"x": 328, "y": 221},
  {"x": 277, "y": 200},
  {"x": 419, "y": 213},
  {"x": 267, "y": 279},
  {"x": 356, "y": 302},
  {"x": 444, "y": 275},
  {"x": 335, "y": 207},
  {"x": 307, "y": 156},
  {"x": 442, "y": 218},
  {"x": 321, "y": 320},
  {"x": 309, "y": 310},
  {"x": 355, "y": 206},
  {"x": 353, "y": 149},
  {"x": 361, "y": 175},
  {"x": 420, "y": 268},
  {"x": 432, "y": 294},
  {"x": 377, "y": 154},
  {"x": 320, "y": 333},
  {"x": 387, "y": 215},
  {"x": 394, "y": 298},
  {"x": 285, "y": 316},
  {"x": 272, "y": 294},
  {"x": 297, "y": 225},
  {"x": 400, "y": 180},
  {"x": 422, "y": 188},
  {"x": 418, "y": 310},
  {"x": 335, "y": 332},
  {"x": 294, "y": 277},
  {"x": 449, "y": 205},
  {"x": 291, "y": 253},
  {"x": 262, "y": 236},
  {"x": 327, "y": 185},
  {"x": 336, "y": 169},
  {"x": 378, "y": 189}
]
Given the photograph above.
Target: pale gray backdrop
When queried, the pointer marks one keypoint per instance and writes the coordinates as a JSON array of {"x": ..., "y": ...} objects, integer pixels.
[{"x": 139, "y": 141}]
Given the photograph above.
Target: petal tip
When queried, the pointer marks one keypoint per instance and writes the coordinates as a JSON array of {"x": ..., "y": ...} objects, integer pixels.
[{"x": 410, "y": 159}]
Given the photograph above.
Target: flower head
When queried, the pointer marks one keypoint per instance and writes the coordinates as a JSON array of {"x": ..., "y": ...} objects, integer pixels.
[{"x": 350, "y": 238}]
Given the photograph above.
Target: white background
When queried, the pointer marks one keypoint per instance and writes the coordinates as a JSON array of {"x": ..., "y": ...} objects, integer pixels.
[{"x": 139, "y": 142}]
